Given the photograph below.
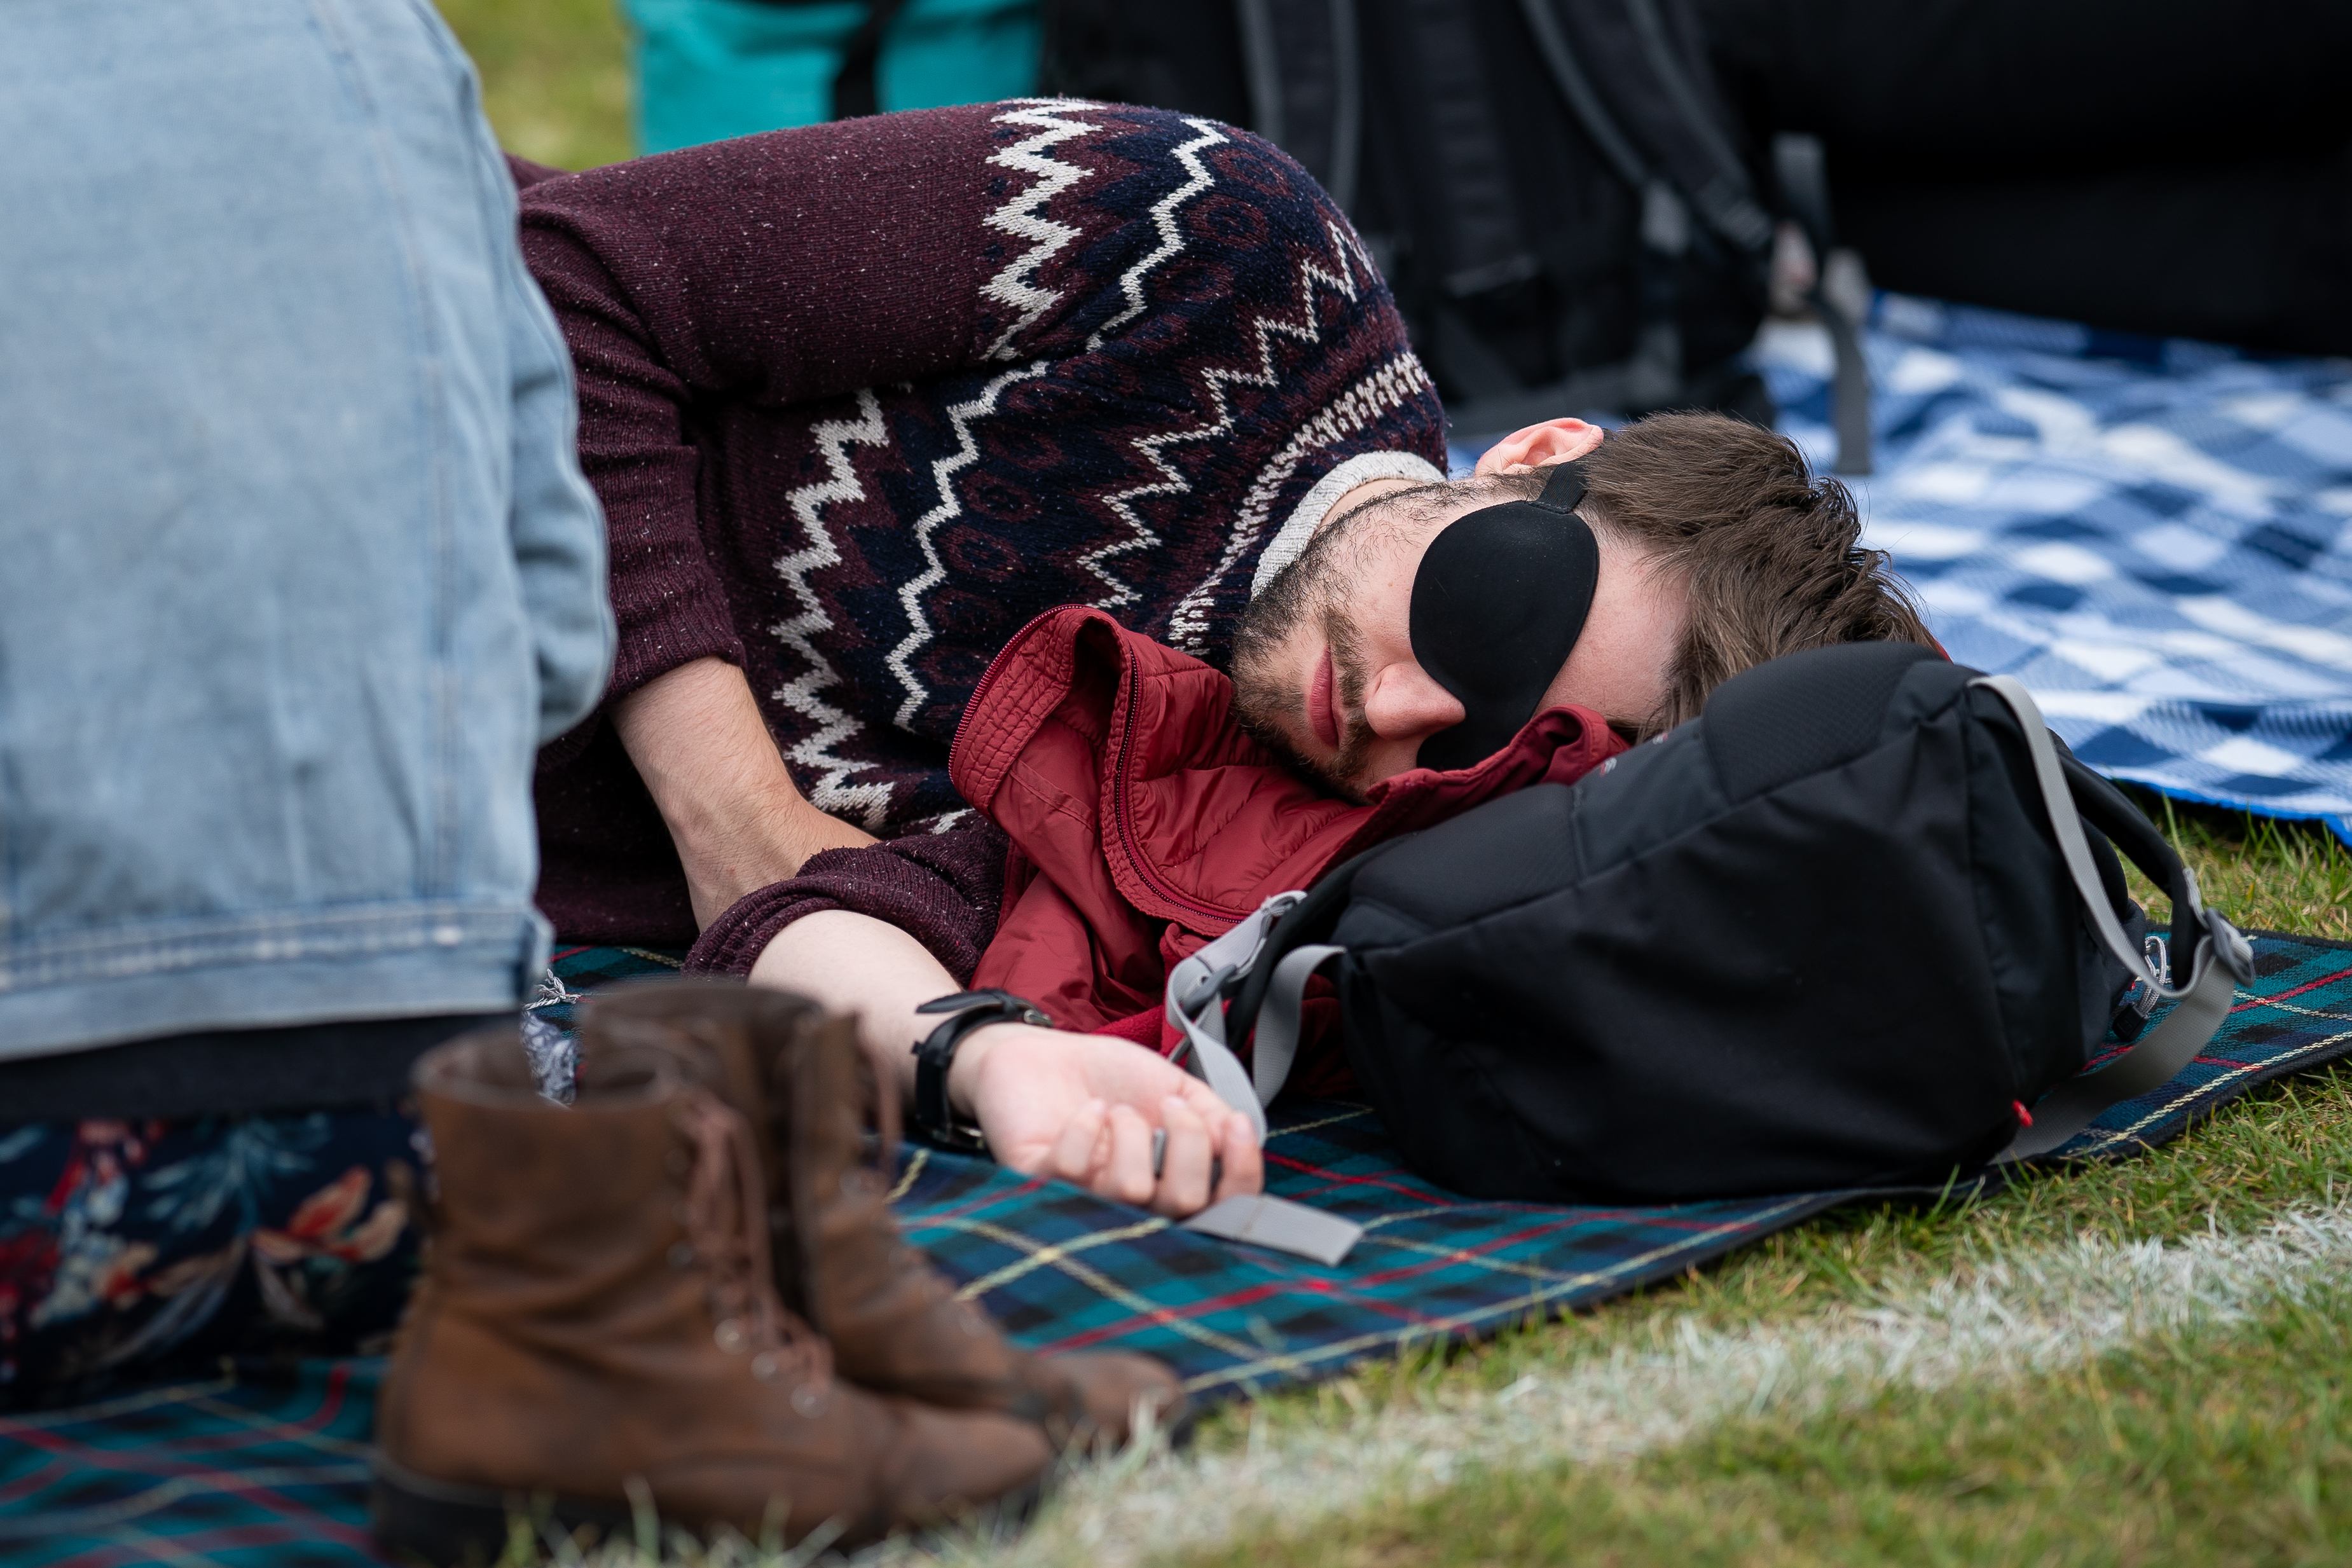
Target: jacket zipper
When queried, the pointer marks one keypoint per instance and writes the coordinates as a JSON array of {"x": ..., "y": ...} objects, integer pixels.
[
  {"x": 1127, "y": 831},
  {"x": 980, "y": 689}
]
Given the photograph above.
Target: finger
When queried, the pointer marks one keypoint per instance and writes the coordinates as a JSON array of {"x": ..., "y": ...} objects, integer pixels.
[
  {"x": 1127, "y": 1174},
  {"x": 1205, "y": 1103},
  {"x": 1220, "y": 1119},
  {"x": 1184, "y": 1172},
  {"x": 1244, "y": 1165},
  {"x": 1077, "y": 1151}
]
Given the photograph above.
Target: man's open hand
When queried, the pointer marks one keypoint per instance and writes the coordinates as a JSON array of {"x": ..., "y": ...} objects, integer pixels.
[
  {"x": 1080, "y": 1106},
  {"x": 1084, "y": 1107}
]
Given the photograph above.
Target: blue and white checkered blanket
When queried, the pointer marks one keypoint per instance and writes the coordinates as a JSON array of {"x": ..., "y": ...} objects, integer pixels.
[{"x": 2155, "y": 536}]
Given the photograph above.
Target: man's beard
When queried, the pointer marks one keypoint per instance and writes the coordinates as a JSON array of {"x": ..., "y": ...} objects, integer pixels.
[{"x": 1304, "y": 593}]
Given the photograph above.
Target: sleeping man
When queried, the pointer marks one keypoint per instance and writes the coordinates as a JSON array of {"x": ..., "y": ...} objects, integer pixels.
[{"x": 864, "y": 401}]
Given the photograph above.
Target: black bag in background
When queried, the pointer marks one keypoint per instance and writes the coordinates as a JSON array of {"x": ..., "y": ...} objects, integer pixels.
[
  {"x": 1847, "y": 928},
  {"x": 2154, "y": 166},
  {"x": 1562, "y": 201}
]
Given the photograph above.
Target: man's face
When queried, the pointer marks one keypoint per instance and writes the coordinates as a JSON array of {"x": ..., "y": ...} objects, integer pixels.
[{"x": 1324, "y": 670}]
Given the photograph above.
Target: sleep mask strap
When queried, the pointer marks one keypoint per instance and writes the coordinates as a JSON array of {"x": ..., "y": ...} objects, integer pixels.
[{"x": 1564, "y": 489}]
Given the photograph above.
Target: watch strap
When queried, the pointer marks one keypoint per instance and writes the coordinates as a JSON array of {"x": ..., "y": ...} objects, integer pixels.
[{"x": 935, "y": 1053}]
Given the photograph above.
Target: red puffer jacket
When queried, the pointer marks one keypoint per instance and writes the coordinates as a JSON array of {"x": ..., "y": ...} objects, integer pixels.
[{"x": 1145, "y": 821}]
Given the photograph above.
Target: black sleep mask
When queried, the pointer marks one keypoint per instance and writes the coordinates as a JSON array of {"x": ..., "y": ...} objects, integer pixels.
[{"x": 1499, "y": 600}]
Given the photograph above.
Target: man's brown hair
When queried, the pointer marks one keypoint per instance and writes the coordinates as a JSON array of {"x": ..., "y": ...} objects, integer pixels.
[{"x": 1771, "y": 553}]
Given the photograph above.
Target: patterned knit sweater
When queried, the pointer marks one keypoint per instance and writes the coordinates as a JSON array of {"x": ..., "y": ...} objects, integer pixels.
[{"x": 861, "y": 399}]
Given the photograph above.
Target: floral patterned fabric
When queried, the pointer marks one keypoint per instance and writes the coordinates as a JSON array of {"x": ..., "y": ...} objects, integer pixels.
[{"x": 129, "y": 1249}]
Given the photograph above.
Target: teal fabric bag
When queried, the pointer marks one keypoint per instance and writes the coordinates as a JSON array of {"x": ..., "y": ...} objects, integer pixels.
[{"x": 709, "y": 69}]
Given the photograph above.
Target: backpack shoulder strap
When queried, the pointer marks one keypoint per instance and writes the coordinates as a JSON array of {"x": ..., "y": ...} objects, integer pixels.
[
  {"x": 1251, "y": 966},
  {"x": 1195, "y": 1000},
  {"x": 1276, "y": 1049},
  {"x": 2223, "y": 955},
  {"x": 1646, "y": 105},
  {"x": 1309, "y": 921}
]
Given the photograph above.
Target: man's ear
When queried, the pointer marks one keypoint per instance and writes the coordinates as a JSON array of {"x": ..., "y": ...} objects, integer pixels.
[{"x": 1540, "y": 445}]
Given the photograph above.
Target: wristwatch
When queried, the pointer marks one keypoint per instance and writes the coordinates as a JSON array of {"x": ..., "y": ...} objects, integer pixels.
[{"x": 967, "y": 1011}]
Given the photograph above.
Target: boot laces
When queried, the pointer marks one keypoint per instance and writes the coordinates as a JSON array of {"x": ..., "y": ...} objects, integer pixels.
[{"x": 725, "y": 1221}]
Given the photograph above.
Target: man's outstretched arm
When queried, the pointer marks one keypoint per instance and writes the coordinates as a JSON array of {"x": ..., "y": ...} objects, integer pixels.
[{"x": 1052, "y": 1103}]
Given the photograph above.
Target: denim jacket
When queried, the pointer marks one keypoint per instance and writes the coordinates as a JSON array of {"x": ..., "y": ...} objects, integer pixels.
[{"x": 297, "y": 565}]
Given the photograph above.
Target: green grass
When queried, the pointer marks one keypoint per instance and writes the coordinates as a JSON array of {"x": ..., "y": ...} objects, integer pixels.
[
  {"x": 555, "y": 76},
  {"x": 2217, "y": 1447},
  {"x": 2258, "y": 871},
  {"x": 2286, "y": 1146}
]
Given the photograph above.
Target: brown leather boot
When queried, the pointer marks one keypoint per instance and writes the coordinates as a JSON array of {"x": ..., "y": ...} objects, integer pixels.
[
  {"x": 895, "y": 1322},
  {"x": 598, "y": 1317}
]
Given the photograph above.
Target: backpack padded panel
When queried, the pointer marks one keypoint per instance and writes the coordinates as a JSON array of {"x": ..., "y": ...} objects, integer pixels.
[
  {"x": 1797, "y": 715},
  {"x": 1672, "y": 994}
]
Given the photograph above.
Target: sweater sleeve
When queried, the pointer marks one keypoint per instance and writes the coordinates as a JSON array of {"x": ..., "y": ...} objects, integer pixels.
[
  {"x": 793, "y": 266},
  {"x": 526, "y": 174},
  {"x": 944, "y": 889}
]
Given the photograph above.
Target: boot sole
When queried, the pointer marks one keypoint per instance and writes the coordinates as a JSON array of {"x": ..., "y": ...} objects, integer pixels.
[{"x": 417, "y": 1518}]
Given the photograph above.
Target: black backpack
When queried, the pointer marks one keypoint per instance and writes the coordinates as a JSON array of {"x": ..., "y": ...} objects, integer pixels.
[
  {"x": 1858, "y": 925},
  {"x": 1557, "y": 192}
]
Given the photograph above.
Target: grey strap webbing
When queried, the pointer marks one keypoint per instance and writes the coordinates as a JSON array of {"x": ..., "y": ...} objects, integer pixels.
[
  {"x": 2222, "y": 956},
  {"x": 1196, "y": 1006},
  {"x": 1277, "y": 1030}
]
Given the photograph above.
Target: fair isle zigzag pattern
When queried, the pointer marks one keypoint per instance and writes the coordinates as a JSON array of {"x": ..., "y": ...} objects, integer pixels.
[
  {"x": 1384, "y": 390},
  {"x": 1024, "y": 217},
  {"x": 943, "y": 471},
  {"x": 1140, "y": 535},
  {"x": 1206, "y": 133},
  {"x": 830, "y": 792},
  {"x": 1388, "y": 388},
  {"x": 1021, "y": 215}
]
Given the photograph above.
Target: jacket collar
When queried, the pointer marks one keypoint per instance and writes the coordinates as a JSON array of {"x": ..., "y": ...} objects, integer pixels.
[{"x": 1197, "y": 822}]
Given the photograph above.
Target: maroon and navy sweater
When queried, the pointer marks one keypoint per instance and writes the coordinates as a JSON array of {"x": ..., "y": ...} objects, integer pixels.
[{"x": 861, "y": 399}]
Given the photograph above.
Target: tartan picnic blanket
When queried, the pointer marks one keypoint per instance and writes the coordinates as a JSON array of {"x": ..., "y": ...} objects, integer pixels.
[
  {"x": 2155, "y": 536},
  {"x": 265, "y": 1465}
]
